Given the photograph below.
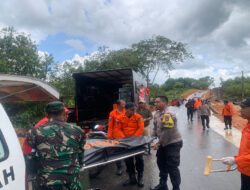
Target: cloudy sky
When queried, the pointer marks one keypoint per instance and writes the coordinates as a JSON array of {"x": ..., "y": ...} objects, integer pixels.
[{"x": 216, "y": 31}]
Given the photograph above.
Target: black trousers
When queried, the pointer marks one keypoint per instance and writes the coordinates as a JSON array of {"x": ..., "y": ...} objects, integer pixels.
[
  {"x": 119, "y": 164},
  {"x": 168, "y": 160},
  {"x": 135, "y": 162},
  {"x": 228, "y": 121},
  {"x": 205, "y": 120},
  {"x": 190, "y": 114},
  {"x": 245, "y": 182}
]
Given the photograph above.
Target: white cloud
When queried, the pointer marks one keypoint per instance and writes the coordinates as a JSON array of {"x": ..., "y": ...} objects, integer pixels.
[
  {"x": 77, "y": 44},
  {"x": 218, "y": 32}
]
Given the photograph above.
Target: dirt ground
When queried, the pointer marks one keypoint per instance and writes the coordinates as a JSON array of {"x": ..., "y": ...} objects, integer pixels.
[{"x": 238, "y": 122}]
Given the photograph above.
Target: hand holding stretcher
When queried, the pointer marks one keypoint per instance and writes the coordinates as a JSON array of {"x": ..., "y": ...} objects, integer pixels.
[{"x": 208, "y": 167}]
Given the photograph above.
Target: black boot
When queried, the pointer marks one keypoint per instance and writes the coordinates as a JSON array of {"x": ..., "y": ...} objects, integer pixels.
[
  {"x": 162, "y": 185},
  {"x": 130, "y": 181},
  {"x": 140, "y": 181},
  {"x": 119, "y": 170},
  {"x": 225, "y": 127}
]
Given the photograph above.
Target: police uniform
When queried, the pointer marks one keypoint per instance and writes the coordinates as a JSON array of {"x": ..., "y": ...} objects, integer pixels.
[
  {"x": 59, "y": 146},
  {"x": 170, "y": 143}
]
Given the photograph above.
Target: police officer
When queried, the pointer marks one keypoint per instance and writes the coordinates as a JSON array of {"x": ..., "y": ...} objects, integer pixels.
[
  {"x": 59, "y": 147},
  {"x": 169, "y": 145},
  {"x": 131, "y": 124}
]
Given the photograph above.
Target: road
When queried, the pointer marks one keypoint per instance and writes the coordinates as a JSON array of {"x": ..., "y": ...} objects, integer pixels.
[{"x": 197, "y": 145}]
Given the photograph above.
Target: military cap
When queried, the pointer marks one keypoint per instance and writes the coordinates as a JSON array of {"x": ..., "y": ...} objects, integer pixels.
[{"x": 54, "y": 107}]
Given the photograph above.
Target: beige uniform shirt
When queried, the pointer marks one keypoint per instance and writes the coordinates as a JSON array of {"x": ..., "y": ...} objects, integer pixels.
[{"x": 165, "y": 128}]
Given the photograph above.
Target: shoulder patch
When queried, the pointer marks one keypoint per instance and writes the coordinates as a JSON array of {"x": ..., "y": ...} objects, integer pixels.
[{"x": 110, "y": 118}]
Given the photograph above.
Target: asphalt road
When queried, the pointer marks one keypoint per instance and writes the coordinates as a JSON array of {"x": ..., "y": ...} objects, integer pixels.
[{"x": 197, "y": 145}]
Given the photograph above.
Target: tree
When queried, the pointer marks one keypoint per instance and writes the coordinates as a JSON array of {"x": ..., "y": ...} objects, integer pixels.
[
  {"x": 116, "y": 59},
  {"x": 61, "y": 78},
  {"x": 19, "y": 55},
  {"x": 144, "y": 57},
  {"x": 158, "y": 53}
]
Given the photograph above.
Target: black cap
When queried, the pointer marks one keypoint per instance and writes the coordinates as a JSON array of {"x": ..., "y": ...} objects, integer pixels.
[{"x": 244, "y": 103}]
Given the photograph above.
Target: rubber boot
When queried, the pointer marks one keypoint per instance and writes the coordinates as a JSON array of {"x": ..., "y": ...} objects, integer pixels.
[
  {"x": 225, "y": 127},
  {"x": 131, "y": 180},
  {"x": 140, "y": 181},
  {"x": 161, "y": 186},
  {"x": 230, "y": 127},
  {"x": 119, "y": 170}
]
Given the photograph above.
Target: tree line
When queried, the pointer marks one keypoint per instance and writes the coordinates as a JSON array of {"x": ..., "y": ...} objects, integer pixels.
[
  {"x": 19, "y": 56},
  {"x": 232, "y": 88}
]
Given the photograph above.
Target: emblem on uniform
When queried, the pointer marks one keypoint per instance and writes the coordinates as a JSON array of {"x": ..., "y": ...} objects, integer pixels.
[
  {"x": 110, "y": 118},
  {"x": 167, "y": 121},
  {"x": 139, "y": 120},
  {"x": 117, "y": 122}
]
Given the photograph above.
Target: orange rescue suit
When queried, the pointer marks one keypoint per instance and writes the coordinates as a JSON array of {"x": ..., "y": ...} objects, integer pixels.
[
  {"x": 197, "y": 104},
  {"x": 227, "y": 110},
  {"x": 243, "y": 159},
  {"x": 133, "y": 126},
  {"x": 113, "y": 132}
]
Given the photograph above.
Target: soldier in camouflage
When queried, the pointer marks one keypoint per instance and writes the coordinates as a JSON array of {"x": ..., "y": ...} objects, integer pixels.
[{"x": 59, "y": 147}]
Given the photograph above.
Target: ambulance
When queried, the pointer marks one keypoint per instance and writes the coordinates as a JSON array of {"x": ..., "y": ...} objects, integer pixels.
[{"x": 17, "y": 89}]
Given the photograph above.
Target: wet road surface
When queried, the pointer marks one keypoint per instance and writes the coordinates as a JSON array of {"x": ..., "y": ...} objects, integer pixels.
[{"x": 198, "y": 144}]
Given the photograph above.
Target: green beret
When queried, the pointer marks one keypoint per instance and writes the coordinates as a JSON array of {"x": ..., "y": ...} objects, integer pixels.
[{"x": 54, "y": 107}]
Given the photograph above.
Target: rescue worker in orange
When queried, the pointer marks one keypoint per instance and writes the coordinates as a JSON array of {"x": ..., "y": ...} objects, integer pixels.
[
  {"x": 113, "y": 132},
  {"x": 197, "y": 104},
  {"x": 243, "y": 159},
  {"x": 227, "y": 112},
  {"x": 132, "y": 124}
]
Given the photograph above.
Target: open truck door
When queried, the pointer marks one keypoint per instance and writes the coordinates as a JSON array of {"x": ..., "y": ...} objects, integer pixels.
[
  {"x": 97, "y": 92},
  {"x": 17, "y": 89}
]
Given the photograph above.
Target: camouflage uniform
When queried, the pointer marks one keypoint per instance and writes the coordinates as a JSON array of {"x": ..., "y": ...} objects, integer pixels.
[{"x": 59, "y": 146}]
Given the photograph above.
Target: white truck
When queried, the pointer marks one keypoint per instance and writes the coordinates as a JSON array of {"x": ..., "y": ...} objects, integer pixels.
[{"x": 17, "y": 89}]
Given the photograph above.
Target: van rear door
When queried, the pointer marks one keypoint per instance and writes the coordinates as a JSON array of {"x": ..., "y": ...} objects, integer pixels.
[{"x": 17, "y": 89}]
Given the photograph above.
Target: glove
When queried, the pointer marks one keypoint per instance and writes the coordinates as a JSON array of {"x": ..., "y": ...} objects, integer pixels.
[{"x": 228, "y": 161}]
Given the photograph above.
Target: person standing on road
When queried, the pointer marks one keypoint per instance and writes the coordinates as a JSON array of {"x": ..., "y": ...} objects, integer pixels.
[
  {"x": 169, "y": 145},
  {"x": 59, "y": 146},
  {"x": 113, "y": 131},
  {"x": 146, "y": 115},
  {"x": 131, "y": 124},
  {"x": 243, "y": 158},
  {"x": 190, "y": 109},
  {"x": 227, "y": 112},
  {"x": 205, "y": 113}
]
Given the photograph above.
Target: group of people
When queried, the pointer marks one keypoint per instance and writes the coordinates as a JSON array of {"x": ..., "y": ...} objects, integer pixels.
[
  {"x": 59, "y": 145},
  {"x": 127, "y": 120},
  {"x": 243, "y": 159},
  {"x": 204, "y": 112}
]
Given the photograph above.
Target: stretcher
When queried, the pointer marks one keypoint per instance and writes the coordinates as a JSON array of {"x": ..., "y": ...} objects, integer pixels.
[
  {"x": 98, "y": 152},
  {"x": 208, "y": 167}
]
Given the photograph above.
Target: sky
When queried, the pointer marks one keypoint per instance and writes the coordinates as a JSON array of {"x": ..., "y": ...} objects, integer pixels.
[{"x": 217, "y": 32}]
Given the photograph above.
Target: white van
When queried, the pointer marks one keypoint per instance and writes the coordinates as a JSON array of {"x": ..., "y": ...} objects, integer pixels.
[{"x": 17, "y": 89}]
